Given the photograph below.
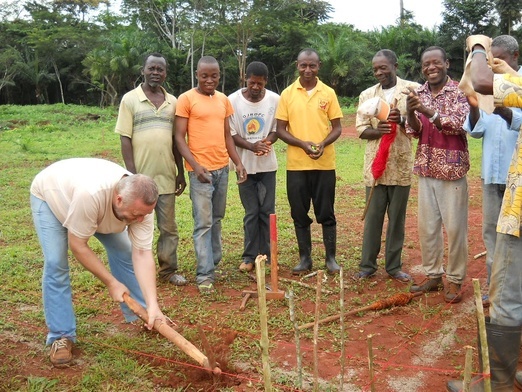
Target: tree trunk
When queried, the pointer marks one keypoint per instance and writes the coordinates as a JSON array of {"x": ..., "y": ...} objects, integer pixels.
[{"x": 57, "y": 73}]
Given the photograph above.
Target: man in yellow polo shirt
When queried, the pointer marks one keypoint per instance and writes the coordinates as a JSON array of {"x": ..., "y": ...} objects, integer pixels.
[{"x": 309, "y": 121}]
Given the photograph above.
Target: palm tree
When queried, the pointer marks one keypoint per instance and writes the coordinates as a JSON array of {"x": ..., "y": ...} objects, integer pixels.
[
  {"x": 342, "y": 54},
  {"x": 35, "y": 72}
]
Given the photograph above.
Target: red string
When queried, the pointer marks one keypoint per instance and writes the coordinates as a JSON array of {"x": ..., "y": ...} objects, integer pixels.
[{"x": 381, "y": 158}]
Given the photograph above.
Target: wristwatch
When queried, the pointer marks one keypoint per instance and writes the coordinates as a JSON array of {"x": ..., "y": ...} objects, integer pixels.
[{"x": 434, "y": 117}]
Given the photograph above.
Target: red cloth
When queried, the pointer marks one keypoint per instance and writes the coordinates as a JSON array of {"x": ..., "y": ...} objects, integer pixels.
[{"x": 381, "y": 158}]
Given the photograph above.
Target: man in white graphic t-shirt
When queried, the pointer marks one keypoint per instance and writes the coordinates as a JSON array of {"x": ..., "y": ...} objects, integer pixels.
[{"x": 253, "y": 128}]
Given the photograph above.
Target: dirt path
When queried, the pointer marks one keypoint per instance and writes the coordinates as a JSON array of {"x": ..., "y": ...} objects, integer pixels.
[{"x": 416, "y": 347}]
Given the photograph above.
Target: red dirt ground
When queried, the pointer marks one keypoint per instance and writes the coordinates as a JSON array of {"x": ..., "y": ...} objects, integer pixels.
[{"x": 417, "y": 347}]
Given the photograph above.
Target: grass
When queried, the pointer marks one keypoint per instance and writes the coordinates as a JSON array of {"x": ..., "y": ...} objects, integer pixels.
[{"x": 31, "y": 138}]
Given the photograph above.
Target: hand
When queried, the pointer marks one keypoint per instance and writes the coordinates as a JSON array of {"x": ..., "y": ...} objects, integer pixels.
[
  {"x": 154, "y": 314},
  {"x": 499, "y": 66},
  {"x": 202, "y": 174},
  {"x": 315, "y": 151},
  {"x": 181, "y": 184},
  {"x": 413, "y": 102},
  {"x": 241, "y": 174},
  {"x": 384, "y": 127},
  {"x": 395, "y": 116},
  {"x": 262, "y": 147},
  {"x": 117, "y": 289}
]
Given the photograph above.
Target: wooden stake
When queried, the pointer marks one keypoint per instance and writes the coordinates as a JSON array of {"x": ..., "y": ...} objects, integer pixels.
[
  {"x": 316, "y": 328},
  {"x": 260, "y": 271},
  {"x": 482, "y": 334},
  {"x": 308, "y": 286},
  {"x": 468, "y": 364},
  {"x": 370, "y": 363},
  {"x": 274, "y": 292},
  {"x": 273, "y": 253},
  {"x": 297, "y": 341},
  {"x": 480, "y": 254},
  {"x": 368, "y": 201},
  {"x": 341, "y": 306}
]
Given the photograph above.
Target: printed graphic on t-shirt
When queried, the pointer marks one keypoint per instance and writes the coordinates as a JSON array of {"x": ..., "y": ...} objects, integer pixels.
[{"x": 253, "y": 127}]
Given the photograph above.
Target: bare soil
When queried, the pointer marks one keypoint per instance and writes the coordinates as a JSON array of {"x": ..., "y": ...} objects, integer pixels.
[{"x": 416, "y": 347}]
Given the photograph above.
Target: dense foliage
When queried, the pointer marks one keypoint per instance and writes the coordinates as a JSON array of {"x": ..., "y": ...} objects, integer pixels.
[{"x": 89, "y": 52}]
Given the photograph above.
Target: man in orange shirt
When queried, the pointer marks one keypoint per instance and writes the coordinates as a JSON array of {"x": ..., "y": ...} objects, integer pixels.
[{"x": 203, "y": 138}]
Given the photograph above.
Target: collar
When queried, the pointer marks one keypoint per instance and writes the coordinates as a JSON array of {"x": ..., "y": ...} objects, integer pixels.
[
  {"x": 142, "y": 97},
  {"x": 450, "y": 85},
  {"x": 317, "y": 87}
]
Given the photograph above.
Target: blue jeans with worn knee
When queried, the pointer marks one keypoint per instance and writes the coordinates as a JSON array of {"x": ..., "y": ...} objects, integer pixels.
[
  {"x": 492, "y": 195},
  {"x": 505, "y": 289},
  {"x": 208, "y": 209},
  {"x": 56, "y": 284}
]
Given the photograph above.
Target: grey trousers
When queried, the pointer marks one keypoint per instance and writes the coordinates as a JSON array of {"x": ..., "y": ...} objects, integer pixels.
[
  {"x": 443, "y": 204},
  {"x": 167, "y": 246}
]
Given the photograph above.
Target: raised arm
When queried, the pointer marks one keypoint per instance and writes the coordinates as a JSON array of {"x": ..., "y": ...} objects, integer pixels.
[{"x": 481, "y": 74}]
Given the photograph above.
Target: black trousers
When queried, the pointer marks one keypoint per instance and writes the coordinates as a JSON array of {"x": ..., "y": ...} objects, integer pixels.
[{"x": 315, "y": 186}]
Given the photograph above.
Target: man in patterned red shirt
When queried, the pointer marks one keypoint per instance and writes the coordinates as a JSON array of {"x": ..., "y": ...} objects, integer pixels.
[{"x": 436, "y": 113}]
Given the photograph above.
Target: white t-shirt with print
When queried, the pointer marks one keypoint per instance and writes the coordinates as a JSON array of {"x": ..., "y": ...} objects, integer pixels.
[{"x": 253, "y": 121}]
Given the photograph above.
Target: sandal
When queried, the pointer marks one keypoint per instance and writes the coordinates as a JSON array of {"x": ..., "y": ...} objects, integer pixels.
[
  {"x": 402, "y": 277},
  {"x": 177, "y": 280},
  {"x": 363, "y": 275}
]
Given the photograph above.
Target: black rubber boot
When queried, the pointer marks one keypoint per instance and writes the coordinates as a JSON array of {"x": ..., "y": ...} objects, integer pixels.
[
  {"x": 518, "y": 380},
  {"x": 503, "y": 349},
  {"x": 330, "y": 244},
  {"x": 304, "y": 242}
]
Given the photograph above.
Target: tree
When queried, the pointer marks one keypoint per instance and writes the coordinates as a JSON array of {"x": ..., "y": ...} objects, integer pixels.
[
  {"x": 510, "y": 13},
  {"x": 343, "y": 54},
  {"x": 78, "y": 8},
  {"x": 9, "y": 59},
  {"x": 60, "y": 40},
  {"x": 35, "y": 72},
  {"x": 462, "y": 18},
  {"x": 407, "y": 41},
  {"x": 114, "y": 65}
]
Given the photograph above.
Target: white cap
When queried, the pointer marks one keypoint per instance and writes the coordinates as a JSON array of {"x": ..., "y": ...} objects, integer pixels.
[{"x": 374, "y": 107}]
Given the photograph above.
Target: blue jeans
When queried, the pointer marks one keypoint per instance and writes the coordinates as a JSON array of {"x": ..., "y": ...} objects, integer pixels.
[
  {"x": 505, "y": 289},
  {"x": 56, "y": 284},
  {"x": 167, "y": 247},
  {"x": 257, "y": 195},
  {"x": 208, "y": 209},
  {"x": 492, "y": 195}
]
